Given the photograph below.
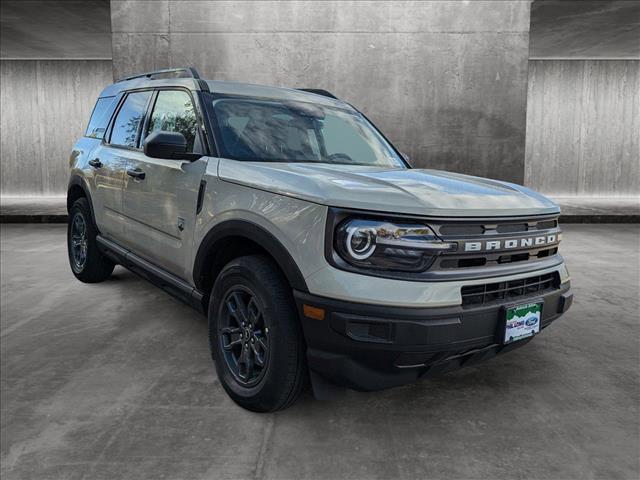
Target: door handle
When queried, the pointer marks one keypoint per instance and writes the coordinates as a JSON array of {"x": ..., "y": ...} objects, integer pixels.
[
  {"x": 136, "y": 173},
  {"x": 95, "y": 163}
]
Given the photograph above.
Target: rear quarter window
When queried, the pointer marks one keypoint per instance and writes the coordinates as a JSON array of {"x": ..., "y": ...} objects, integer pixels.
[{"x": 100, "y": 117}]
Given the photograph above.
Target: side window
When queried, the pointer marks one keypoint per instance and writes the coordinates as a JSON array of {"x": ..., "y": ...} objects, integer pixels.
[
  {"x": 174, "y": 112},
  {"x": 100, "y": 117},
  {"x": 127, "y": 123}
]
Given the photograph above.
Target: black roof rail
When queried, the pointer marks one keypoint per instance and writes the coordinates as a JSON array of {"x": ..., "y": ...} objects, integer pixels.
[
  {"x": 189, "y": 72},
  {"x": 319, "y": 91}
]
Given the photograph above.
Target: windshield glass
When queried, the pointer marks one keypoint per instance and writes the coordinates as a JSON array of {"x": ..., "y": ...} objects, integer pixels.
[{"x": 291, "y": 131}]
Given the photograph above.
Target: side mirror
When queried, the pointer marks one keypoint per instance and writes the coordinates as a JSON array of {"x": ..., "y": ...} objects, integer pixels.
[{"x": 168, "y": 145}]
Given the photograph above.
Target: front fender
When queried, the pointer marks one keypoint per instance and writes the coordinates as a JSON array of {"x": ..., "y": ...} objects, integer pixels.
[{"x": 251, "y": 231}]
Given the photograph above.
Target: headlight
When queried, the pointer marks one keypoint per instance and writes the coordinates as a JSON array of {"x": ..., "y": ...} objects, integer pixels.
[{"x": 385, "y": 245}]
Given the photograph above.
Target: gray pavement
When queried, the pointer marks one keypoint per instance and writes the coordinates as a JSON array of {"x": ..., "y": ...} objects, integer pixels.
[{"x": 115, "y": 381}]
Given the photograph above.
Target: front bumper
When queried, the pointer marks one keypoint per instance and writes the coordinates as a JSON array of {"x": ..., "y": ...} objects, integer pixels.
[{"x": 373, "y": 347}]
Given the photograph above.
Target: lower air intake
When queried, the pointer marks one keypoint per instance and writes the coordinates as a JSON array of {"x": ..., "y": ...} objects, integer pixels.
[{"x": 512, "y": 289}]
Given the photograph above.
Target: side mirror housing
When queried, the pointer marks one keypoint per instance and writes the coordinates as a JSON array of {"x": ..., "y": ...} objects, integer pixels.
[{"x": 167, "y": 145}]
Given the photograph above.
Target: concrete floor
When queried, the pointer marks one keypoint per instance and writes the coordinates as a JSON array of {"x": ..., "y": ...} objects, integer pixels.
[{"x": 115, "y": 381}]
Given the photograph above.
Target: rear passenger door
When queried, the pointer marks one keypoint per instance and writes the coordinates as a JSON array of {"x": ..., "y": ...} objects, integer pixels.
[
  {"x": 161, "y": 195},
  {"x": 109, "y": 161}
]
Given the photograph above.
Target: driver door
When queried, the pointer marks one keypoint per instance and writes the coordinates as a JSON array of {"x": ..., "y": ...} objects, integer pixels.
[{"x": 161, "y": 195}]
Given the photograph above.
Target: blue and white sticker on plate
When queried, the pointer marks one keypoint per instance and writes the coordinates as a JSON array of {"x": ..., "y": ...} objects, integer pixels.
[{"x": 522, "y": 321}]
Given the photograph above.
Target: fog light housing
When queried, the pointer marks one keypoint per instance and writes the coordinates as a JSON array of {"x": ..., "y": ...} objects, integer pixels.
[{"x": 376, "y": 332}]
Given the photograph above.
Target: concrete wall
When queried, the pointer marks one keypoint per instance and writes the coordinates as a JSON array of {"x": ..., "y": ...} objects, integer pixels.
[
  {"x": 583, "y": 127},
  {"x": 45, "y": 107},
  {"x": 446, "y": 80}
]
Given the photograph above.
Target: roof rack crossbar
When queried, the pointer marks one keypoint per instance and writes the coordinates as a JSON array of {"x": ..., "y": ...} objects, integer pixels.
[
  {"x": 319, "y": 91},
  {"x": 190, "y": 71}
]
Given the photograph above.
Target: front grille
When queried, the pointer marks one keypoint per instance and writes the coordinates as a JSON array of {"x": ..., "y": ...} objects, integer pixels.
[
  {"x": 512, "y": 228},
  {"x": 461, "y": 229},
  {"x": 489, "y": 227},
  {"x": 465, "y": 262},
  {"x": 512, "y": 289},
  {"x": 485, "y": 230}
]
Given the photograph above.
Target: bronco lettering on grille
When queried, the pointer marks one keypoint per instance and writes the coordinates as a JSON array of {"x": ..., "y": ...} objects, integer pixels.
[{"x": 511, "y": 243}]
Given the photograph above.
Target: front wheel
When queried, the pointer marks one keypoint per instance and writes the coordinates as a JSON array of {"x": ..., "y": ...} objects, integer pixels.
[
  {"x": 254, "y": 335},
  {"x": 87, "y": 262}
]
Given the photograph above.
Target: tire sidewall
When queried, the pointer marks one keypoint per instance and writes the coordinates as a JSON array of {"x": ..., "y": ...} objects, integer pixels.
[
  {"x": 75, "y": 211},
  {"x": 279, "y": 338},
  {"x": 97, "y": 268}
]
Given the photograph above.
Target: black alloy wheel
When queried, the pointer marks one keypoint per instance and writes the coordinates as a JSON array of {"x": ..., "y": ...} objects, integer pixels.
[
  {"x": 88, "y": 263},
  {"x": 79, "y": 241},
  {"x": 244, "y": 335},
  {"x": 255, "y": 335}
]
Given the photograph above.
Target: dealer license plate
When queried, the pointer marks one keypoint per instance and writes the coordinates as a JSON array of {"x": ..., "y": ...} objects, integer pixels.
[{"x": 522, "y": 321}]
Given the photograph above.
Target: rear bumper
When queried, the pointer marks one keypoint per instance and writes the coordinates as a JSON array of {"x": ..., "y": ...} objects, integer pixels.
[{"x": 372, "y": 347}]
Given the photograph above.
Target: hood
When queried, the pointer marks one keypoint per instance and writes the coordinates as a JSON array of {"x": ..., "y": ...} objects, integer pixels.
[{"x": 411, "y": 191}]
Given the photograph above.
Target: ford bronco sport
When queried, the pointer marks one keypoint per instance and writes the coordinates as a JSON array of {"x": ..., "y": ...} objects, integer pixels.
[{"x": 314, "y": 248}]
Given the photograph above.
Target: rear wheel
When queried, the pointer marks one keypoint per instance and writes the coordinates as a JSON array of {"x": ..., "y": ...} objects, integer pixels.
[
  {"x": 87, "y": 262},
  {"x": 255, "y": 336}
]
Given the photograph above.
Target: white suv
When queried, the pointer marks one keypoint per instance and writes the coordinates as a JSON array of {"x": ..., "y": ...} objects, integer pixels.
[{"x": 315, "y": 249}]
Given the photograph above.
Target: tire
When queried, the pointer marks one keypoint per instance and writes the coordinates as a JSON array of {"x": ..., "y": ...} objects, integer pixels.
[
  {"x": 92, "y": 266},
  {"x": 254, "y": 289}
]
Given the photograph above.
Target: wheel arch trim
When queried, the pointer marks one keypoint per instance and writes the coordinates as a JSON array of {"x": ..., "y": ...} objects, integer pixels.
[
  {"x": 78, "y": 181},
  {"x": 252, "y": 232}
]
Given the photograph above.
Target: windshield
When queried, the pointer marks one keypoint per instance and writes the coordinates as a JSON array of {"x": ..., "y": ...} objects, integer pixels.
[{"x": 291, "y": 131}]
